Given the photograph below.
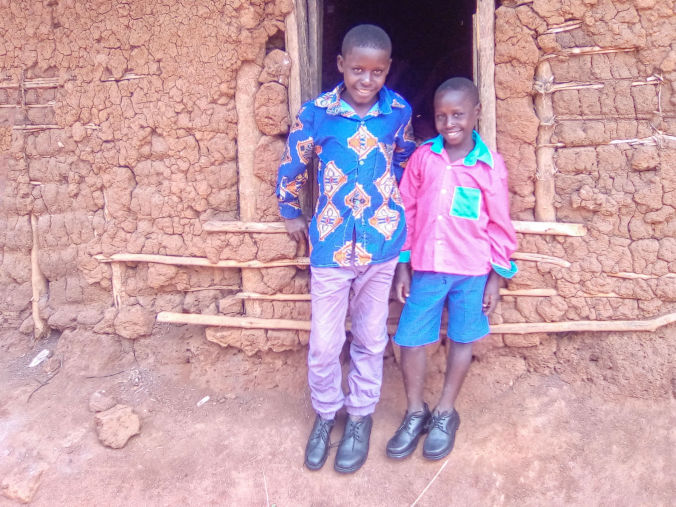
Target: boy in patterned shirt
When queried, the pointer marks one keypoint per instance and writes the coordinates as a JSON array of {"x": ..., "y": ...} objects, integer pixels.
[
  {"x": 361, "y": 133},
  {"x": 459, "y": 244}
]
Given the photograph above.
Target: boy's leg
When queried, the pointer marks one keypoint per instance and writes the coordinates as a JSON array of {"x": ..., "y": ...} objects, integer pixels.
[
  {"x": 414, "y": 367},
  {"x": 369, "y": 309},
  {"x": 466, "y": 324},
  {"x": 330, "y": 288},
  {"x": 368, "y": 312},
  {"x": 418, "y": 326},
  {"x": 457, "y": 366}
]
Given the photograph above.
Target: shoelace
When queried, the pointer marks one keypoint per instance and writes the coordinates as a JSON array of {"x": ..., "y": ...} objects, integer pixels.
[
  {"x": 437, "y": 421},
  {"x": 322, "y": 432},
  {"x": 352, "y": 430},
  {"x": 409, "y": 421}
]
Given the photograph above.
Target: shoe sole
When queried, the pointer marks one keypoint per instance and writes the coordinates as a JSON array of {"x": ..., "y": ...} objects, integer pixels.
[
  {"x": 345, "y": 470},
  {"x": 436, "y": 457},
  {"x": 403, "y": 454}
]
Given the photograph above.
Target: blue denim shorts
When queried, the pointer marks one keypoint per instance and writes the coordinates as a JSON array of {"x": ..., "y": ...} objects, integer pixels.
[{"x": 420, "y": 319}]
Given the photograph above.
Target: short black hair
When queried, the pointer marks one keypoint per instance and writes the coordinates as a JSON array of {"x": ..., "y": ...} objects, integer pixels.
[
  {"x": 459, "y": 84},
  {"x": 366, "y": 36}
]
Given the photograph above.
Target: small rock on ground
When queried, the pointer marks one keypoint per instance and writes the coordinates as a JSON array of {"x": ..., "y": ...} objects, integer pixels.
[
  {"x": 117, "y": 425},
  {"x": 22, "y": 483}
]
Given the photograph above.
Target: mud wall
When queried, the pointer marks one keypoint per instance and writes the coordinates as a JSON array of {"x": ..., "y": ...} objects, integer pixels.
[
  {"x": 606, "y": 144},
  {"x": 126, "y": 126}
]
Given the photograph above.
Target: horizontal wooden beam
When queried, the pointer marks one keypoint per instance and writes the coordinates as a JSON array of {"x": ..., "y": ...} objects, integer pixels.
[
  {"x": 307, "y": 297},
  {"x": 515, "y": 328},
  {"x": 232, "y": 226},
  {"x": 525, "y": 256},
  {"x": 585, "y": 326},
  {"x": 238, "y": 322},
  {"x": 201, "y": 261},
  {"x": 551, "y": 228}
]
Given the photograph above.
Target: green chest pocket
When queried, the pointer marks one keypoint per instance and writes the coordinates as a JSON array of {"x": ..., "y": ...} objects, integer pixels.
[{"x": 466, "y": 203}]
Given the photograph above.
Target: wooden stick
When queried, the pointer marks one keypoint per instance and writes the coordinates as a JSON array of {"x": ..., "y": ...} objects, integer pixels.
[
  {"x": 273, "y": 297},
  {"x": 291, "y": 36},
  {"x": 553, "y": 228},
  {"x": 485, "y": 21},
  {"x": 200, "y": 261},
  {"x": 239, "y": 322},
  {"x": 117, "y": 284},
  {"x": 228, "y": 226},
  {"x": 564, "y": 27},
  {"x": 640, "y": 276},
  {"x": 515, "y": 328},
  {"x": 529, "y": 292},
  {"x": 585, "y": 325},
  {"x": 526, "y": 256},
  {"x": 35, "y": 127},
  {"x": 544, "y": 155},
  {"x": 38, "y": 285},
  {"x": 126, "y": 77},
  {"x": 307, "y": 297},
  {"x": 298, "y": 261}
]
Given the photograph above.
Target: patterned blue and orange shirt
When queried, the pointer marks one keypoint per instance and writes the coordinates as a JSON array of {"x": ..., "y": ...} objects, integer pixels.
[{"x": 359, "y": 217}]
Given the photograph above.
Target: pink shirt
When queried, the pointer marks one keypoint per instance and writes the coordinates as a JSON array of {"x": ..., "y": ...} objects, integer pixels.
[{"x": 457, "y": 213}]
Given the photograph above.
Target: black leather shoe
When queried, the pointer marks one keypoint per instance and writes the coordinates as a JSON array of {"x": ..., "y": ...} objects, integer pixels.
[
  {"x": 405, "y": 439},
  {"x": 354, "y": 447},
  {"x": 317, "y": 448},
  {"x": 441, "y": 436}
]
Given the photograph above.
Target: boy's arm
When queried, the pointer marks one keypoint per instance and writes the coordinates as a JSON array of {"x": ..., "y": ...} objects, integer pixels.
[
  {"x": 404, "y": 145},
  {"x": 292, "y": 174},
  {"x": 501, "y": 231},
  {"x": 408, "y": 188}
]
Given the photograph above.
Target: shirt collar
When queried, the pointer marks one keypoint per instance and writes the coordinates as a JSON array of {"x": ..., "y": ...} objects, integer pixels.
[
  {"x": 480, "y": 152},
  {"x": 332, "y": 103}
]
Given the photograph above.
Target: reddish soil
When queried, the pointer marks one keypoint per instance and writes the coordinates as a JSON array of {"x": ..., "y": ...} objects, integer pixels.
[{"x": 525, "y": 438}]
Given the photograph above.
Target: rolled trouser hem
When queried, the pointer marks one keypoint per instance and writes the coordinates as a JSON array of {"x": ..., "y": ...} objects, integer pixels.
[{"x": 361, "y": 411}]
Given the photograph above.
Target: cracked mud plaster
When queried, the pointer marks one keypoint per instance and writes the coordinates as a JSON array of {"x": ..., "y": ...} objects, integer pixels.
[
  {"x": 125, "y": 137},
  {"x": 623, "y": 192},
  {"x": 121, "y": 136}
]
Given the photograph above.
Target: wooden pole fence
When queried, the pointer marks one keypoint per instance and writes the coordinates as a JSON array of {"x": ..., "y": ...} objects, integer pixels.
[
  {"x": 515, "y": 328},
  {"x": 551, "y": 228}
]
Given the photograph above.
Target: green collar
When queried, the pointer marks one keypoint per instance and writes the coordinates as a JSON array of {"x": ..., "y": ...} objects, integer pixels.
[{"x": 480, "y": 152}]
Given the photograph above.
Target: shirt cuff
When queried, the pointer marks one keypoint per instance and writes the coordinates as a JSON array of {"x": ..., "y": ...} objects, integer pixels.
[
  {"x": 405, "y": 256},
  {"x": 289, "y": 212},
  {"x": 505, "y": 272}
]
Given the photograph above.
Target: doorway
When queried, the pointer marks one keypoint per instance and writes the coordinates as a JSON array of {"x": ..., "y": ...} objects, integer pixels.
[{"x": 432, "y": 41}]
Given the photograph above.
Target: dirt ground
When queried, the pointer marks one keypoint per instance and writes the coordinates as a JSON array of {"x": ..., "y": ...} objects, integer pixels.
[{"x": 524, "y": 439}]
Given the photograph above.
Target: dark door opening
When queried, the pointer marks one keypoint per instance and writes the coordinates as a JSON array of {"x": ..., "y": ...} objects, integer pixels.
[{"x": 432, "y": 41}]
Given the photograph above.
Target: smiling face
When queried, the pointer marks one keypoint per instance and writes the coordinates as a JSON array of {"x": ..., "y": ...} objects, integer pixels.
[
  {"x": 364, "y": 72},
  {"x": 455, "y": 115}
]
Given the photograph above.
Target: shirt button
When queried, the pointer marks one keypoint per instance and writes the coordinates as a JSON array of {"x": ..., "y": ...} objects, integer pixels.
[
  {"x": 361, "y": 162},
  {"x": 439, "y": 242},
  {"x": 443, "y": 190},
  {"x": 448, "y": 167},
  {"x": 439, "y": 217}
]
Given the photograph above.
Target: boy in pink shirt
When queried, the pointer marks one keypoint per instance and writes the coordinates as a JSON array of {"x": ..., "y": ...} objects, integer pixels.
[{"x": 460, "y": 240}]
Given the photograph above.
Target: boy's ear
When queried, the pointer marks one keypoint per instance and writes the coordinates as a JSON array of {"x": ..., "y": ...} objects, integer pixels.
[
  {"x": 339, "y": 63},
  {"x": 477, "y": 110}
]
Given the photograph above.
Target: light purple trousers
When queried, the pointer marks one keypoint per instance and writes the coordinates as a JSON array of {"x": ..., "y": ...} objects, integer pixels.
[{"x": 368, "y": 305}]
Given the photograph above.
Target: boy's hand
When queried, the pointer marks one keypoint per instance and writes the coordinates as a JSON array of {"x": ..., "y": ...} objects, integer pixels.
[
  {"x": 491, "y": 293},
  {"x": 297, "y": 228},
  {"x": 402, "y": 281}
]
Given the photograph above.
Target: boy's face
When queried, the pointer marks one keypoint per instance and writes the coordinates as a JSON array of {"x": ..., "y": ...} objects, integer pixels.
[
  {"x": 455, "y": 115},
  {"x": 364, "y": 71}
]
